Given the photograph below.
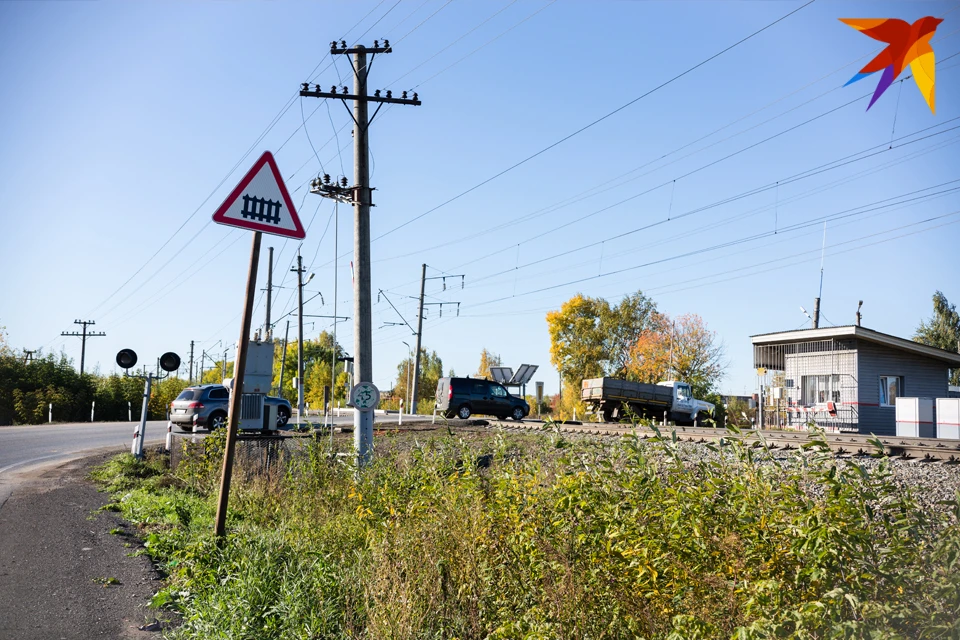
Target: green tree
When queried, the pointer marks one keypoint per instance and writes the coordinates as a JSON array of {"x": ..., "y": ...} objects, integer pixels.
[
  {"x": 431, "y": 370},
  {"x": 162, "y": 393},
  {"x": 942, "y": 330},
  {"x": 317, "y": 356},
  {"x": 590, "y": 338},
  {"x": 488, "y": 360},
  {"x": 214, "y": 375}
]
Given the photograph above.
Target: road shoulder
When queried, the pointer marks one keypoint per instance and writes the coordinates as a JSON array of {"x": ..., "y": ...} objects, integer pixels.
[{"x": 66, "y": 569}]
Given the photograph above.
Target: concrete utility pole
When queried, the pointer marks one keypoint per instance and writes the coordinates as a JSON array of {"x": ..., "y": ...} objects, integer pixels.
[
  {"x": 416, "y": 356},
  {"x": 361, "y": 199},
  {"x": 416, "y": 362},
  {"x": 267, "y": 328},
  {"x": 83, "y": 339},
  {"x": 191, "y": 362},
  {"x": 299, "y": 270},
  {"x": 283, "y": 358}
]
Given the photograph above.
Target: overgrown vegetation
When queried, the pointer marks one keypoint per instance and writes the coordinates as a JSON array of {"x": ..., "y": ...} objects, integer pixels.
[{"x": 543, "y": 537}]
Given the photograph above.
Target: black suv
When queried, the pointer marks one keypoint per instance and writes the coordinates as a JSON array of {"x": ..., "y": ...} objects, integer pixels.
[{"x": 462, "y": 397}]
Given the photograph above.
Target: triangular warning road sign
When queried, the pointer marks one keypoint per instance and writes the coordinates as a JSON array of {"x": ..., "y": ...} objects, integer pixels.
[{"x": 261, "y": 202}]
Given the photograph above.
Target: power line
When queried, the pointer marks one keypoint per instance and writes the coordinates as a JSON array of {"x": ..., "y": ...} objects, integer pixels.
[
  {"x": 715, "y": 247},
  {"x": 283, "y": 110},
  {"x": 595, "y": 190},
  {"x": 751, "y": 192},
  {"x": 593, "y": 123}
]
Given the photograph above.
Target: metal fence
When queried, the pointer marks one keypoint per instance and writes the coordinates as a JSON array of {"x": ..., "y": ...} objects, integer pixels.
[
  {"x": 254, "y": 455},
  {"x": 809, "y": 382}
]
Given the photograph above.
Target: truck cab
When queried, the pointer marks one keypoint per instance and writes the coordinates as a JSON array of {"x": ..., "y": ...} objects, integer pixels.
[{"x": 685, "y": 406}]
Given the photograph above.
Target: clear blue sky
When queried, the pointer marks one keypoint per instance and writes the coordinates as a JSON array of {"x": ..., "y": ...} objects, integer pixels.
[{"x": 120, "y": 121}]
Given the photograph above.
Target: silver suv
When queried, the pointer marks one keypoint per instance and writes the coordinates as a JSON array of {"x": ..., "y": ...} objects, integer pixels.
[{"x": 209, "y": 403}]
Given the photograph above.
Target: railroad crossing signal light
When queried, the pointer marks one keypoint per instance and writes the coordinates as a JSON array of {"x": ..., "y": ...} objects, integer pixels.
[
  {"x": 169, "y": 361},
  {"x": 126, "y": 358}
]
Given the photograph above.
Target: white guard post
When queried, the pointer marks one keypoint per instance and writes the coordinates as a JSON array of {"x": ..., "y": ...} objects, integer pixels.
[
  {"x": 169, "y": 442},
  {"x": 137, "y": 448}
]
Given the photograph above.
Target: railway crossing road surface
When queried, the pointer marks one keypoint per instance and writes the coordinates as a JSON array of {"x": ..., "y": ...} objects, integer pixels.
[{"x": 24, "y": 449}]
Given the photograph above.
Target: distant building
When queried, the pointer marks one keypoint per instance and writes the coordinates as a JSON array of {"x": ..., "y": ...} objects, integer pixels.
[
  {"x": 846, "y": 378},
  {"x": 750, "y": 401}
]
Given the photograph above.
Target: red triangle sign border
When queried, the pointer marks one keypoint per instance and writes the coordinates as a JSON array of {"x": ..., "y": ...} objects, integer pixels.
[{"x": 220, "y": 214}]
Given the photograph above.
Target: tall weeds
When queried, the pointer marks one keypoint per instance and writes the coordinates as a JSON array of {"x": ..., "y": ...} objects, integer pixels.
[{"x": 542, "y": 537}]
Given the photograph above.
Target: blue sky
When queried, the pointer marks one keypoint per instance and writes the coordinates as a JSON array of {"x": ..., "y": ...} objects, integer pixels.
[{"x": 123, "y": 122}]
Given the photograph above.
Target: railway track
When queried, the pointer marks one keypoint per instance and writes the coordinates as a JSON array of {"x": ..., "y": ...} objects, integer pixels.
[{"x": 841, "y": 443}]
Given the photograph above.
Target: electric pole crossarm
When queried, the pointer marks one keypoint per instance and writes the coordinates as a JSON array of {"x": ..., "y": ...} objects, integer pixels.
[
  {"x": 83, "y": 339},
  {"x": 305, "y": 93},
  {"x": 376, "y": 48}
]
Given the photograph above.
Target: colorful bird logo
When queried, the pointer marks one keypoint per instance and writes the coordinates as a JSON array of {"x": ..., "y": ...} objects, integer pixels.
[{"x": 907, "y": 44}]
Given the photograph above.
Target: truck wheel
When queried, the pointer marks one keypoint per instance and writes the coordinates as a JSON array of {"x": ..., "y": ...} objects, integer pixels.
[
  {"x": 464, "y": 411},
  {"x": 283, "y": 415},
  {"x": 606, "y": 415},
  {"x": 517, "y": 414}
]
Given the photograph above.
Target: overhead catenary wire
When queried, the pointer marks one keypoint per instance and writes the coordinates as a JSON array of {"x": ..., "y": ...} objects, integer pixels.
[
  {"x": 679, "y": 256},
  {"x": 592, "y": 123},
  {"x": 751, "y": 192}
]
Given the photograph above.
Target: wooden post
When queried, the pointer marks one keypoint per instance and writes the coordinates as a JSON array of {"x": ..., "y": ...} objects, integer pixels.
[{"x": 233, "y": 416}]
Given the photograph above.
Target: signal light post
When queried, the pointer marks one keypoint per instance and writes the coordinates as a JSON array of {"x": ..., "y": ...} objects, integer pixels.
[
  {"x": 126, "y": 359},
  {"x": 360, "y": 197}
]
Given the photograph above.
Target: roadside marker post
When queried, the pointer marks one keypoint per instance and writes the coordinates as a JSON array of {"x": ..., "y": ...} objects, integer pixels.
[
  {"x": 169, "y": 442},
  {"x": 50, "y": 415},
  {"x": 129, "y": 412},
  {"x": 93, "y": 405},
  {"x": 262, "y": 204},
  {"x": 137, "y": 448}
]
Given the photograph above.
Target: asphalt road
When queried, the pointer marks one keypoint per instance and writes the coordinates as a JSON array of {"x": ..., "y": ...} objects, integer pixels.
[{"x": 25, "y": 448}]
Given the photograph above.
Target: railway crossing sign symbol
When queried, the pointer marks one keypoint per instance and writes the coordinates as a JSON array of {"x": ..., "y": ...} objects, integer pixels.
[{"x": 261, "y": 202}]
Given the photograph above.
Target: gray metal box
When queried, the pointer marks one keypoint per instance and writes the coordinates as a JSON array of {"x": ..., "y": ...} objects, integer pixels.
[{"x": 258, "y": 372}]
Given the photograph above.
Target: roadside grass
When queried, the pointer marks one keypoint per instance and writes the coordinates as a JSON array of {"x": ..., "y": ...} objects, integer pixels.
[{"x": 518, "y": 536}]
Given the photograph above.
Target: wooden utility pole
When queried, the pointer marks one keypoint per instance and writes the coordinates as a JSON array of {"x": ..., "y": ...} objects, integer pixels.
[
  {"x": 83, "y": 339},
  {"x": 361, "y": 200},
  {"x": 233, "y": 416}
]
